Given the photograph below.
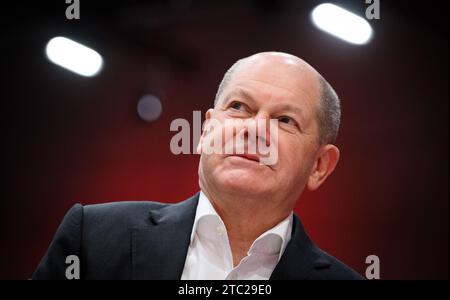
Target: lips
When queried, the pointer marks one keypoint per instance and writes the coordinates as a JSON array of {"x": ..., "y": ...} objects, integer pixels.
[{"x": 253, "y": 157}]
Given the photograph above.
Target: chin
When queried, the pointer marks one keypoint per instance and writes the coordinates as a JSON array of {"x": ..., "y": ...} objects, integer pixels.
[{"x": 239, "y": 181}]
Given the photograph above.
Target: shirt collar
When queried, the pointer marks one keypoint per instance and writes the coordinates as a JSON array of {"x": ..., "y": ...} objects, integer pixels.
[
  {"x": 271, "y": 242},
  {"x": 204, "y": 208}
]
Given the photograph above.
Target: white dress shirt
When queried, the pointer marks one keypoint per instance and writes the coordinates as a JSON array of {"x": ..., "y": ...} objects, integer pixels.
[{"x": 209, "y": 254}]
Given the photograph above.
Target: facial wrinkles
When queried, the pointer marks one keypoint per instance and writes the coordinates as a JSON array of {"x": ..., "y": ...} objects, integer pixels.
[{"x": 271, "y": 100}]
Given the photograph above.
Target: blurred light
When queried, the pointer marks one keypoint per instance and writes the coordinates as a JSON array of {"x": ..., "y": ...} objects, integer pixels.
[
  {"x": 342, "y": 23},
  {"x": 74, "y": 56},
  {"x": 149, "y": 108}
]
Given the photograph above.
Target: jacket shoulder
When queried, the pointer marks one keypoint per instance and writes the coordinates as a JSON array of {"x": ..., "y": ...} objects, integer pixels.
[
  {"x": 119, "y": 215},
  {"x": 329, "y": 267},
  {"x": 122, "y": 208}
]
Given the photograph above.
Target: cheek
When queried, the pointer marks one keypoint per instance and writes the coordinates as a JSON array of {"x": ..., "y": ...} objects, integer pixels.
[
  {"x": 294, "y": 156},
  {"x": 209, "y": 161},
  {"x": 289, "y": 158}
]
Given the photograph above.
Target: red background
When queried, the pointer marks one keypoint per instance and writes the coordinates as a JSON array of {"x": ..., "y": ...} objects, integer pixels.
[{"x": 69, "y": 139}]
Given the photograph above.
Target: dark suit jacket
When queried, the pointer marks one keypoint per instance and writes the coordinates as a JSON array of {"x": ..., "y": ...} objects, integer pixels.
[{"x": 150, "y": 240}]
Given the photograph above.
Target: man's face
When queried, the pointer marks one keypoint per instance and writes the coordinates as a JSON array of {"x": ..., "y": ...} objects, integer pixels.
[{"x": 263, "y": 88}]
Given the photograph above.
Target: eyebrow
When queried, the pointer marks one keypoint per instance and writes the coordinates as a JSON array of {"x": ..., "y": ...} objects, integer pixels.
[
  {"x": 242, "y": 93},
  {"x": 291, "y": 108}
]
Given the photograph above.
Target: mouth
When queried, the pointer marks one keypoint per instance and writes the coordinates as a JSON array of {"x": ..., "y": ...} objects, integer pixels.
[{"x": 251, "y": 157}]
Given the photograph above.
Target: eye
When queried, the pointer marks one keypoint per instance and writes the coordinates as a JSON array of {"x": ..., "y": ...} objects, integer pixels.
[
  {"x": 287, "y": 120},
  {"x": 237, "y": 105}
]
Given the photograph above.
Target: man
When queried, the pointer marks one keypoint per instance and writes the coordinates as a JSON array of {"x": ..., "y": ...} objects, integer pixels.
[{"x": 240, "y": 225}]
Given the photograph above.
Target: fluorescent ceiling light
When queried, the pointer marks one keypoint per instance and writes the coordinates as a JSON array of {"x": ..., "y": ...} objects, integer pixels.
[
  {"x": 342, "y": 23},
  {"x": 74, "y": 56}
]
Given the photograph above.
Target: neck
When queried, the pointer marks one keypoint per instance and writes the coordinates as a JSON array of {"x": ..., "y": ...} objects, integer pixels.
[{"x": 246, "y": 218}]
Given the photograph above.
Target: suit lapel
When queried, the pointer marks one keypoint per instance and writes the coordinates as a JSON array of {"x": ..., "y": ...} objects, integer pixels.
[
  {"x": 300, "y": 258},
  {"x": 159, "y": 250}
]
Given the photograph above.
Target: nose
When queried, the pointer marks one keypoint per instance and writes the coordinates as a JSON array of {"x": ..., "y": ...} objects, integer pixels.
[{"x": 259, "y": 127}]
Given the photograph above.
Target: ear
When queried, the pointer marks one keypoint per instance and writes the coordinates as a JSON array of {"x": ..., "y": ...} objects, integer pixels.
[
  {"x": 324, "y": 165},
  {"x": 208, "y": 116}
]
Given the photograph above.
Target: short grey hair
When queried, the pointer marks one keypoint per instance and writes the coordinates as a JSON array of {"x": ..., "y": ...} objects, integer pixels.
[
  {"x": 226, "y": 79},
  {"x": 329, "y": 112}
]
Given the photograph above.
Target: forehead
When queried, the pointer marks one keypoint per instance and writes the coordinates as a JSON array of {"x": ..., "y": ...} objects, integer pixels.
[{"x": 277, "y": 78}]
